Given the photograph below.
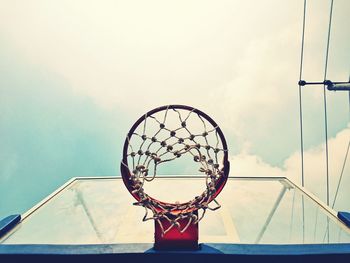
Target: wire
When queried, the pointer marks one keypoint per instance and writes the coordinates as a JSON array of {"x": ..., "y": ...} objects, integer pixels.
[
  {"x": 343, "y": 168},
  {"x": 292, "y": 218},
  {"x": 341, "y": 175},
  {"x": 325, "y": 98},
  {"x": 301, "y": 113},
  {"x": 300, "y": 97}
]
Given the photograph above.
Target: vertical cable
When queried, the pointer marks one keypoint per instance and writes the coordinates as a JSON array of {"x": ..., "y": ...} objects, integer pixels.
[
  {"x": 303, "y": 207},
  {"x": 325, "y": 108},
  {"x": 317, "y": 210},
  {"x": 300, "y": 97},
  {"x": 343, "y": 168},
  {"x": 301, "y": 115},
  {"x": 325, "y": 98},
  {"x": 341, "y": 175},
  {"x": 292, "y": 218}
]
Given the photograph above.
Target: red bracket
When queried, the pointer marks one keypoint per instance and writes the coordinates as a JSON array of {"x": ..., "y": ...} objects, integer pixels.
[{"x": 174, "y": 239}]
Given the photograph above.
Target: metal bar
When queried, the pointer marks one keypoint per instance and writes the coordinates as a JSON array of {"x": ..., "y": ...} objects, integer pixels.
[
  {"x": 326, "y": 82},
  {"x": 189, "y": 176},
  {"x": 339, "y": 87},
  {"x": 81, "y": 200},
  {"x": 272, "y": 212},
  {"x": 46, "y": 199}
]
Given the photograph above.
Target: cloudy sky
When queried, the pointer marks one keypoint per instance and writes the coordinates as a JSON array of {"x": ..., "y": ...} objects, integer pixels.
[{"x": 75, "y": 75}]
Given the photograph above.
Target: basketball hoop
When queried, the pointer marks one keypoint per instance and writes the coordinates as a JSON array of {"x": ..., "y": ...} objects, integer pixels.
[{"x": 176, "y": 224}]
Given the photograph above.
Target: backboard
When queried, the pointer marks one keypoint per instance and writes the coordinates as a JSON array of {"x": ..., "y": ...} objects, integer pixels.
[{"x": 255, "y": 210}]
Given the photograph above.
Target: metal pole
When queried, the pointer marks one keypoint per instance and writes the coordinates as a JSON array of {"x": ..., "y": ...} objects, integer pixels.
[{"x": 268, "y": 220}]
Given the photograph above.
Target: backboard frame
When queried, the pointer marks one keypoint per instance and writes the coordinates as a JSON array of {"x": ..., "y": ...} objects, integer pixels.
[
  {"x": 319, "y": 202},
  {"x": 209, "y": 251}
]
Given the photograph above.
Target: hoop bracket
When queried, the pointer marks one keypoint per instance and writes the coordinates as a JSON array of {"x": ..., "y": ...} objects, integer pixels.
[{"x": 174, "y": 239}]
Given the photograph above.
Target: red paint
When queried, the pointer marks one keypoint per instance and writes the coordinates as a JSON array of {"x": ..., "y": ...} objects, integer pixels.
[{"x": 174, "y": 239}]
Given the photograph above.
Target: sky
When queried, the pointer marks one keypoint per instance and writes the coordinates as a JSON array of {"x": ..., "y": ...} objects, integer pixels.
[{"x": 75, "y": 75}]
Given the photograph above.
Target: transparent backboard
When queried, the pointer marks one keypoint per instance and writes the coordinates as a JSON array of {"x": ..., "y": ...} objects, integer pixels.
[{"x": 254, "y": 211}]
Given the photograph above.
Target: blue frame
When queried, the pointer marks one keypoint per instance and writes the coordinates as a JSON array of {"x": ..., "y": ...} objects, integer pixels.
[
  {"x": 208, "y": 253},
  {"x": 345, "y": 217},
  {"x": 8, "y": 223}
]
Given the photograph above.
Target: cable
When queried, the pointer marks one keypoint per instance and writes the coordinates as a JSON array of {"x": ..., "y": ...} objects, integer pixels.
[
  {"x": 343, "y": 168},
  {"x": 292, "y": 218},
  {"x": 341, "y": 175},
  {"x": 325, "y": 108},
  {"x": 301, "y": 113},
  {"x": 325, "y": 98},
  {"x": 300, "y": 97}
]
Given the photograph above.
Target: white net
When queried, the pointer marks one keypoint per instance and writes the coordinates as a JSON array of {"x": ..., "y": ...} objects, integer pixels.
[{"x": 167, "y": 135}]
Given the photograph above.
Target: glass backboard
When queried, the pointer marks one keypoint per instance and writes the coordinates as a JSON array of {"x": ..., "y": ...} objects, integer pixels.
[{"x": 255, "y": 210}]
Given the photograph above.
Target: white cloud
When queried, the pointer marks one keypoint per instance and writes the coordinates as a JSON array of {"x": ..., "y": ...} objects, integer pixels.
[
  {"x": 236, "y": 60},
  {"x": 245, "y": 164},
  {"x": 120, "y": 53}
]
